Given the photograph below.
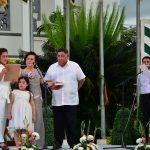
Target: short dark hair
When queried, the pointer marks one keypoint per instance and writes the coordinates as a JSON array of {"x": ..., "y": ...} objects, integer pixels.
[
  {"x": 145, "y": 57},
  {"x": 2, "y": 50},
  {"x": 62, "y": 50},
  {"x": 31, "y": 53}
]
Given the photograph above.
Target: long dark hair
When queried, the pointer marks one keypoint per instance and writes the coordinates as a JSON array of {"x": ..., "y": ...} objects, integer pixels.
[
  {"x": 27, "y": 81},
  {"x": 2, "y": 50}
]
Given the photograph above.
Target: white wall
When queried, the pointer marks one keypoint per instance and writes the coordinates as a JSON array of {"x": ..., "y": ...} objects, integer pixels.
[
  {"x": 16, "y": 16},
  {"x": 12, "y": 43},
  {"x": 38, "y": 42}
]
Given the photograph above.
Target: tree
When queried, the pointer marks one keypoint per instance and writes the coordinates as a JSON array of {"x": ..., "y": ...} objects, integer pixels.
[{"x": 84, "y": 49}]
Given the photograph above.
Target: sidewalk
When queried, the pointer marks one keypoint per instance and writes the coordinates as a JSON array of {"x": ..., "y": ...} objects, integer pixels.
[{"x": 101, "y": 147}]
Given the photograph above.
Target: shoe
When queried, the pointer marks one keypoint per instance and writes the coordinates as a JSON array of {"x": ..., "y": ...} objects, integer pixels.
[
  {"x": 71, "y": 146},
  {"x": 56, "y": 147}
]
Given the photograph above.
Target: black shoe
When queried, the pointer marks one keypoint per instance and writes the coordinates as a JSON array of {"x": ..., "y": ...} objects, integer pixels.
[
  {"x": 72, "y": 145},
  {"x": 56, "y": 146}
]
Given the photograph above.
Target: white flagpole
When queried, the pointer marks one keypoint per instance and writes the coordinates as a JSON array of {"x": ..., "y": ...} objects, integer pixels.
[
  {"x": 101, "y": 52},
  {"x": 31, "y": 26},
  {"x": 25, "y": 26},
  {"x": 67, "y": 14},
  {"x": 138, "y": 42}
]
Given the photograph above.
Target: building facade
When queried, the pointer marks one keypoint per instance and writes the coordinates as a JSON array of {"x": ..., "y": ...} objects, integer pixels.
[{"x": 15, "y": 25}]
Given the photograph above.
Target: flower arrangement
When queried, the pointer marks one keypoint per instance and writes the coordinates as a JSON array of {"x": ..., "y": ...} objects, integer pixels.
[
  {"x": 7, "y": 138},
  {"x": 86, "y": 141},
  {"x": 26, "y": 139},
  {"x": 142, "y": 145}
]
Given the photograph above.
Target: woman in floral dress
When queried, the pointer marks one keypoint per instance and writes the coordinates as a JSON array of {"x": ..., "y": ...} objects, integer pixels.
[{"x": 35, "y": 81}]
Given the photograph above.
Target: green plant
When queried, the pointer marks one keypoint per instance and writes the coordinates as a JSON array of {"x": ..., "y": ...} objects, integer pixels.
[
  {"x": 119, "y": 134},
  {"x": 119, "y": 55},
  {"x": 86, "y": 140},
  {"x": 142, "y": 145},
  {"x": 109, "y": 137},
  {"x": 26, "y": 139},
  {"x": 49, "y": 128}
]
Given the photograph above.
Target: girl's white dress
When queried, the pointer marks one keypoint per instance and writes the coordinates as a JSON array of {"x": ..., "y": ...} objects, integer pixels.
[
  {"x": 4, "y": 99},
  {"x": 21, "y": 111}
]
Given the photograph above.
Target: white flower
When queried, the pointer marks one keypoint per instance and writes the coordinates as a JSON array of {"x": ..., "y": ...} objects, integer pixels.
[
  {"x": 34, "y": 146},
  {"x": 147, "y": 146},
  {"x": 80, "y": 148},
  {"x": 77, "y": 146},
  {"x": 24, "y": 136},
  {"x": 30, "y": 149},
  {"x": 141, "y": 144},
  {"x": 94, "y": 146},
  {"x": 90, "y": 138},
  {"x": 138, "y": 146},
  {"x": 35, "y": 136},
  {"x": 139, "y": 140},
  {"x": 23, "y": 148},
  {"x": 82, "y": 139}
]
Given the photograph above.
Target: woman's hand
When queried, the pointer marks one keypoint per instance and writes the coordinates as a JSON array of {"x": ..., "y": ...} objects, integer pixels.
[
  {"x": 33, "y": 118},
  {"x": 4, "y": 70}
]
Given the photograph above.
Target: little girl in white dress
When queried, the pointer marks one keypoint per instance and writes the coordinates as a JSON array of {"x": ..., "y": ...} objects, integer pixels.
[{"x": 21, "y": 110}]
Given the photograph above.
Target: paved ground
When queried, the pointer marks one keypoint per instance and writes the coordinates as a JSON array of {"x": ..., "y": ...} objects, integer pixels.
[{"x": 101, "y": 147}]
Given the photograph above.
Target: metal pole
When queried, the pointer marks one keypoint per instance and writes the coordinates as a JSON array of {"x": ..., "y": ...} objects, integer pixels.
[
  {"x": 31, "y": 26},
  {"x": 101, "y": 52},
  {"x": 68, "y": 25},
  {"x": 138, "y": 43}
]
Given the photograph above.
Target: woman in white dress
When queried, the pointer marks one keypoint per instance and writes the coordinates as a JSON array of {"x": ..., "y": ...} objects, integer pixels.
[
  {"x": 4, "y": 95},
  {"x": 21, "y": 109}
]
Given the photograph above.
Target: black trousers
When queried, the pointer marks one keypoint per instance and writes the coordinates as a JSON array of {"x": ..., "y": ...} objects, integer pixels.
[
  {"x": 65, "y": 120},
  {"x": 145, "y": 105}
]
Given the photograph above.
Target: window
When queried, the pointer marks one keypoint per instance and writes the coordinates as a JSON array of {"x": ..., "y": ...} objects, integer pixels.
[{"x": 5, "y": 17}]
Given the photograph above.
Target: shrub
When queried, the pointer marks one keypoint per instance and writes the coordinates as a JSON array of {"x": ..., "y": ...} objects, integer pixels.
[
  {"x": 119, "y": 125},
  {"x": 49, "y": 128}
]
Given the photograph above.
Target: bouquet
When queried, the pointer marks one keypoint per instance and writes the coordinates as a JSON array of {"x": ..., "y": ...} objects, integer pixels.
[
  {"x": 26, "y": 139},
  {"x": 7, "y": 138},
  {"x": 142, "y": 145},
  {"x": 86, "y": 141}
]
